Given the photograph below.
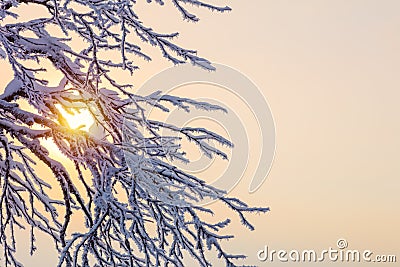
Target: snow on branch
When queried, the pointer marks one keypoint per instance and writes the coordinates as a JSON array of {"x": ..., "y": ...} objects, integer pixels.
[{"x": 138, "y": 208}]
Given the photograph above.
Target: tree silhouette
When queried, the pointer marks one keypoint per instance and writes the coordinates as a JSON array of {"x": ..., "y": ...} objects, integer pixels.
[{"x": 138, "y": 208}]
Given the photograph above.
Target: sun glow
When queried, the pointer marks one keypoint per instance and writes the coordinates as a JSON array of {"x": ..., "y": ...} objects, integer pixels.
[{"x": 81, "y": 119}]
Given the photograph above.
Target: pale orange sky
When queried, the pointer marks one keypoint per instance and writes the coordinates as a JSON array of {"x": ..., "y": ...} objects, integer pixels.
[{"x": 329, "y": 70}]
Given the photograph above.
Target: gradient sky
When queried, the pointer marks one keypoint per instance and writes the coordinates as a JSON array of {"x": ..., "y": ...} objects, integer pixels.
[
  {"x": 329, "y": 70},
  {"x": 330, "y": 73}
]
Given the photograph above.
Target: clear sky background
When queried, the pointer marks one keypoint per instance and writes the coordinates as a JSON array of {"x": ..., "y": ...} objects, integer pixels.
[{"x": 330, "y": 73}]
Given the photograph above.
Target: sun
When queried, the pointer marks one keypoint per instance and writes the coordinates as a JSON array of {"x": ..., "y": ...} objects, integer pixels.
[{"x": 81, "y": 119}]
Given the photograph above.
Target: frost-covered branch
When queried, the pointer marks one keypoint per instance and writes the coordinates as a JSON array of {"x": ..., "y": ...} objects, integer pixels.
[{"x": 138, "y": 209}]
